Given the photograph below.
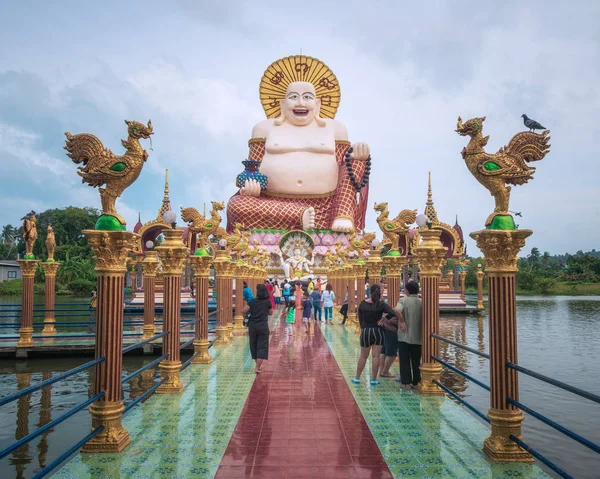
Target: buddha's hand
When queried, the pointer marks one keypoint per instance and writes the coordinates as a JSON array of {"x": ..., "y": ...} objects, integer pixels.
[
  {"x": 360, "y": 152},
  {"x": 250, "y": 188}
]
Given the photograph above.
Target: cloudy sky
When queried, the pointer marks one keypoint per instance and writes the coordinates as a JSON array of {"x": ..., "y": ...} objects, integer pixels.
[{"x": 406, "y": 72}]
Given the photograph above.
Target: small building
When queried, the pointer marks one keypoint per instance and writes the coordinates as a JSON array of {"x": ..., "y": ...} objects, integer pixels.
[{"x": 9, "y": 269}]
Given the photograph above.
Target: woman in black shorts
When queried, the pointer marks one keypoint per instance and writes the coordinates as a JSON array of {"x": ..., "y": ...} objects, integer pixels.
[
  {"x": 258, "y": 325},
  {"x": 370, "y": 312}
]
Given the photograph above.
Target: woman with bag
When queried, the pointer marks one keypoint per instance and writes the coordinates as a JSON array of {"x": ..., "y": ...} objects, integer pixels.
[
  {"x": 258, "y": 325},
  {"x": 328, "y": 298}
]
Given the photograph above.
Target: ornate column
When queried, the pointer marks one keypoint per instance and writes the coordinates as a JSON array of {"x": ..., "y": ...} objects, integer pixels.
[
  {"x": 173, "y": 254},
  {"x": 480, "y": 275},
  {"x": 201, "y": 268},
  {"x": 500, "y": 249},
  {"x": 450, "y": 275},
  {"x": 350, "y": 278},
  {"x": 393, "y": 270},
  {"x": 462, "y": 275},
  {"x": 360, "y": 268},
  {"x": 50, "y": 269},
  {"x": 239, "y": 297},
  {"x": 26, "y": 331},
  {"x": 221, "y": 266},
  {"x": 110, "y": 251},
  {"x": 150, "y": 267},
  {"x": 430, "y": 256},
  {"x": 229, "y": 295}
]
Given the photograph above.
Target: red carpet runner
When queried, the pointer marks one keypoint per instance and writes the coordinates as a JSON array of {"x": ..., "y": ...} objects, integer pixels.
[{"x": 300, "y": 419}]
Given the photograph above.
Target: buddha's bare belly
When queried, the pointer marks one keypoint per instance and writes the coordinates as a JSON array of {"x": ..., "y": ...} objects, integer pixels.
[{"x": 300, "y": 173}]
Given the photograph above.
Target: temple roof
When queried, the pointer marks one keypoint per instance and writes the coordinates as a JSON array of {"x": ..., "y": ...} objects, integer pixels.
[
  {"x": 157, "y": 222},
  {"x": 138, "y": 225},
  {"x": 458, "y": 229}
]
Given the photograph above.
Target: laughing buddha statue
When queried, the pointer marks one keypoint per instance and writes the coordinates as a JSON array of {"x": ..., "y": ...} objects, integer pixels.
[{"x": 301, "y": 171}]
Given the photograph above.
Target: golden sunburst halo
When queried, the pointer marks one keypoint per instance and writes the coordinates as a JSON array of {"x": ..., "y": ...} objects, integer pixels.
[{"x": 295, "y": 68}]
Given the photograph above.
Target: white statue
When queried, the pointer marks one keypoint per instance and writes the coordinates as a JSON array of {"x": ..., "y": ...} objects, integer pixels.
[{"x": 294, "y": 266}]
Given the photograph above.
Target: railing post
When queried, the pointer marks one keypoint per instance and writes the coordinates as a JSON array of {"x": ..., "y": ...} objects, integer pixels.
[
  {"x": 462, "y": 275},
  {"x": 221, "y": 267},
  {"x": 430, "y": 256},
  {"x": 50, "y": 269},
  {"x": 110, "y": 251},
  {"x": 238, "y": 319},
  {"x": 26, "y": 331},
  {"x": 480, "y": 274},
  {"x": 172, "y": 253},
  {"x": 500, "y": 249},
  {"x": 150, "y": 267},
  {"x": 201, "y": 268}
]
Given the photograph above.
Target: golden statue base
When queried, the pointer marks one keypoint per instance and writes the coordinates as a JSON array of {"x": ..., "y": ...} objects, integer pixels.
[
  {"x": 26, "y": 338},
  {"x": 429, "y": 372},
  {"x": 148, "y": 332},
  {"x": 49, "y": 328},
  {"x": 499, "y": 447},
  {"x": 201, "y": 349},
  {"x": 114, "y": 437},
  {"x": 238, "y": 323},
  {"x": 170, "y": 370},
  {"x": 222, "y": 335},
  {"x": 230, "y": 330}
]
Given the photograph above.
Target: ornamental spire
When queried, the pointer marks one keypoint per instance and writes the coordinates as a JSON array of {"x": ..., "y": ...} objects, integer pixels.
[
  {"x": 166, "y": 202},
  {"x": 429, "y": 208}
]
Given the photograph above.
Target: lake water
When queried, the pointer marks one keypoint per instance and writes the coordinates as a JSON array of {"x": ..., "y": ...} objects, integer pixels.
[{"x": 558, "y": 337}]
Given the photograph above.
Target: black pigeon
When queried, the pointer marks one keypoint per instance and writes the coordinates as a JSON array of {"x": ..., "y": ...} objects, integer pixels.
[{"x": 532, "y": 124}]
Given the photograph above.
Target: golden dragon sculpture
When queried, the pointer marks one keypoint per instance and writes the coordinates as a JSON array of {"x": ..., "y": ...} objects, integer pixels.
[
  {"x": 360, "y": 245},
  {"x": 507, "y": 166},
  {"x": 393, "y": 229},
  {"x": 102, "y": 167},
  {"x": 202, "y": 226}
]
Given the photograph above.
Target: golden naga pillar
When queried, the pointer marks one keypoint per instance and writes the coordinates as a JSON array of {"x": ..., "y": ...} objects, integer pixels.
[
  {"x": 500, "y": 249},
  {"x": 110, "y": 251},
  {"x": 480, "y": 274},
  {"x": 393, "y": 272},
  {"x": 430, "y": 256},
  {"x": 26, "y": 331},
  {"x": 50, "y": 269},
  {"x": 238, "y": 319},
  {"x": 462, "y": 276},
  {"x": 149, "y": 268},
  {"x": 173, "y": 255},
  {"x": 221, "y": 265},
  {"x": 201, "y": 268},
  {"x": 450, "y": 276}
]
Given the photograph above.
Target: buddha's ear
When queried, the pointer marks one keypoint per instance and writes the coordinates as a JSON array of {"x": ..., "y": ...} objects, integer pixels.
[
  {"x": 318, "y": 118},
  {"x": 279, "y": 120}
]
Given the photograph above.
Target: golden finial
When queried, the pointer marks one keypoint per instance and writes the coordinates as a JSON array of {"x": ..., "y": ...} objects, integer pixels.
[
  {"x": 429, "y": 208},
  {"x": 166, "y": 202}
]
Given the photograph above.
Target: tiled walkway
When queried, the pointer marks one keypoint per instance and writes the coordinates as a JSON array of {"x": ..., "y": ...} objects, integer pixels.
[{"x": 300, "y": 419}]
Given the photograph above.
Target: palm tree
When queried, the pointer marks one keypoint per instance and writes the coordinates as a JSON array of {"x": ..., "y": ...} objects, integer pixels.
[{"x": 8, "y": 234}]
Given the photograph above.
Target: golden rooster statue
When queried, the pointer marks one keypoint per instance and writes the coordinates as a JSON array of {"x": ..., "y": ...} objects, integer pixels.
[
  {"x": 50, "y": 244},
  {"x": 102, "y": 167},
  {"x": 507, "y": 166},
  {"x": 29, "y": 235},
  {"x": 201, "y": 225},
  {"x": 360, "y": 245},
  {"x": 392, "y": 229}
]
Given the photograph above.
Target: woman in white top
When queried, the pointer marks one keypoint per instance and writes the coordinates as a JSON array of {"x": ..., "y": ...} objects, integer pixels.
[
  {"x": 327, "y": 299},
  {"x": 277, "y": 293}
]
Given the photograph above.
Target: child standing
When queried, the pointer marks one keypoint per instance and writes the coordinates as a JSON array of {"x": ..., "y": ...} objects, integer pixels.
[
  {"x": 290, "y": 313},
  {"x": 306, "y": 311}
]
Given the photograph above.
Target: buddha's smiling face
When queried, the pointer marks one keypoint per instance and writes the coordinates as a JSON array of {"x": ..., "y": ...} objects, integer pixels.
[{"x": 300, "y": 105}]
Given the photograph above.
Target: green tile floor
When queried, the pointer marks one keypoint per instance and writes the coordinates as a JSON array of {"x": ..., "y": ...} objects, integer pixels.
[
  {"x": 419, "y": 436},
  {"x": 185, "y": 436}
]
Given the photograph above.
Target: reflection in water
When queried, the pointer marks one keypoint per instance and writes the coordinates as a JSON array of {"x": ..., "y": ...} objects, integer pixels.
[
  {"x": 45, "y": 418},
  {"x": 20, "y": 457},
  {"x": 454, "y": 328}
]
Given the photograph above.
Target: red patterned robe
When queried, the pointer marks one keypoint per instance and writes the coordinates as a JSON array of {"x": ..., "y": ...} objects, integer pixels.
[{"x": 285, "y": 212}]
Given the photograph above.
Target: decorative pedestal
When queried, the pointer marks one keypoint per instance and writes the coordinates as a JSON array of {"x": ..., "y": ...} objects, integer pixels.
[
  {"x": 110, "y": 250},
  {"x": 201, "y": 269},
  {"x": 50, "y": 270},
  {"x": 393, "y": 271},
  {"x": 173, "y": 255},
  {"x": 374, "y": 263},
  {"x": 149, "y": 267},
  {"x": 500, "y": 249},
  {"x": 479, "y": 275},
  {"x": 222, "y": 267},
  {"x": 26, "y": 331},
  {"x": 430, "y": 256}
]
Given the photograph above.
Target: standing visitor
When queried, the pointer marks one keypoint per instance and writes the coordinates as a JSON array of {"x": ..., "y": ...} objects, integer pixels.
[
  {"x": 389, "y": 351},
  {"x": 290, "y": 313},
  {"x": 344, "y": 309},
  {"x": 409, "y": 342},
  {"x": 370, "y": 312},
  {"x": 367, "y": 292},
  {"x": 93, "y": 306},
  {"x": 270, "y": 289},
  {"x": 287, "y": 291},
  {"x": 306, "y": 311},
  {"x": 311, "y": 285},
  {"x": 328, "y": 299},
  {"x": 258, "y": 326},
  {"x": 319, "y": 285},
  {"x": 315, "y": 297},
  {"x": 298, "y": 294},
  {"x": 277, "y": 294},
  {"x": 247, "y": 294}
]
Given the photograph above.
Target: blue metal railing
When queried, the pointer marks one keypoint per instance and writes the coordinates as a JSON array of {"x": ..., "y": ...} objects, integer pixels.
[
  {"x": 462, "y": 401},
  {"x": 50, "y": 425},
  {"x": 67, "y": 454},
  {"x": 48, "y": 382},
  {"x": 143, "y": 368},
  {"x": 462, "y": 373},
  {"x": 541, "y": 458},
  {"x": 137, "y": 400},
  {"x": 145, "y": 341},
  {"x": 461, "y": 346}
]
